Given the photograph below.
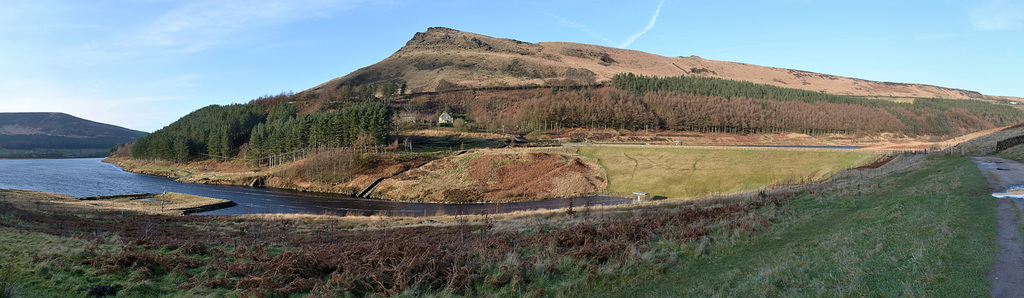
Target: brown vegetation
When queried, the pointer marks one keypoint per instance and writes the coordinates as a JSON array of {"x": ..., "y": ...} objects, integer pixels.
[
  {"x": 288, "y": 256},
  {"x": 446, "y": 59},
  {"x": 342, "y": 170},
  {"x": 512, "y": 254},
  {"x": 593, "y": 108},
  {"x": 496, "y": 176},
  {"x": 163, "y": 204}
]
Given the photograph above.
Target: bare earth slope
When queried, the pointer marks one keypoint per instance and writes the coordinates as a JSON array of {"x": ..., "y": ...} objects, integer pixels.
[{"x": 443, "y": 59}]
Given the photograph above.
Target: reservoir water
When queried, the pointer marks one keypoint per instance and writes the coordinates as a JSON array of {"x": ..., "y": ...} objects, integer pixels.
[{"x": 92, "y": 177}]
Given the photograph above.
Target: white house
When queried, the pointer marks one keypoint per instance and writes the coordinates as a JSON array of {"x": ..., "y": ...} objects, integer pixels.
[{"x": 445, "y": 118}]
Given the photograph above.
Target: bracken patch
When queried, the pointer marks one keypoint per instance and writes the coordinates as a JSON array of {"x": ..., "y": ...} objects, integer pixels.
[{"x": 282, "y": 257}]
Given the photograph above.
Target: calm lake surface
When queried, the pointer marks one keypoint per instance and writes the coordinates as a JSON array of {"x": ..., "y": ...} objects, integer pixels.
[{"x": 92, "y": 177}]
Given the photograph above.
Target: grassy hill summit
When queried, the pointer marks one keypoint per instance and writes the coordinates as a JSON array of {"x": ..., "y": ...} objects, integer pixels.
[
  {"x": 441, "y": 59},
  {"x": 57, "y": 135}
]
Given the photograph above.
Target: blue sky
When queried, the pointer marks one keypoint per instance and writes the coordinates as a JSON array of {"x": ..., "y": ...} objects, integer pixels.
[{"x": 144, "y": 63}]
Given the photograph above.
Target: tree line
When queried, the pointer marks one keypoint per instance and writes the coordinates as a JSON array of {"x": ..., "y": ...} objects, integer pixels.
[
  {"x": 29, "y": 142},
  {"x": 284, "y": 131},
  {"x": 257, "y": 129},
  {"x": 927, "y": 116},
  {"x": 213, "y": 130},
  {"x": 604, "y": 107}
]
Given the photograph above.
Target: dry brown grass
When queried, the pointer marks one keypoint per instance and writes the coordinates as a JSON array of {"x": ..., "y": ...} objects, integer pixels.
[
  {"x": 496, "y": 175},
  {"x": 519, "y": 254},
  {"x": 162, "y": 204},
  {"x": 985, "y": 142},
  {"x": 537, "y": 220},
  {"x": 451, "y": 132},
  {"x": 442, "y": 58},
  {"x": 274, "y": 255},
  {"x": 685, "y": 172},
  {"x": 340, "y": 170}
]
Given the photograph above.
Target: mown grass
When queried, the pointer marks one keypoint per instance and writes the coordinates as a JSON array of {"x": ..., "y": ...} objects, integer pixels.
[
  {"x": 679, "y": 173},
  {"x": 926, "y": 232}
]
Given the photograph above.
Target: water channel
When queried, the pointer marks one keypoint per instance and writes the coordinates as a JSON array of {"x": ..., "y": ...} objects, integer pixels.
[{"x": 92, "y": 177}]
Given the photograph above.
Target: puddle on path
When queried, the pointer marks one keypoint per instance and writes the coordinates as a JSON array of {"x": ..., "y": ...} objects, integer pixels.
[{"x": 1014, "y": 192}]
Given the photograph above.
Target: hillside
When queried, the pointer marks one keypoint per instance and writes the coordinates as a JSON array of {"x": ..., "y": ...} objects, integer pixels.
[
  {"x": 543, "y": 88},
  {"x": 443, "y": 59},
  {"x": 56, "y": 135},
  {"x": 343, "y": 135}
]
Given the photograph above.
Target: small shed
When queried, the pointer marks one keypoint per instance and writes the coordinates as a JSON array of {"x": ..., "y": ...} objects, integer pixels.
[
  {"x": 445, "y": 118},
  {"x": 642, "y": 196}
]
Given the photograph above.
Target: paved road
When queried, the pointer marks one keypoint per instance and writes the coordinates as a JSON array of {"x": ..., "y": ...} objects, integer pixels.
[{"x": 1007, "y": 274}]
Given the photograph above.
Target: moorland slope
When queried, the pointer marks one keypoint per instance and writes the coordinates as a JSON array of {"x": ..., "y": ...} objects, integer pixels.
[
  {"x": 35, "y": 135},
  {"x": 443, "y": 59}
]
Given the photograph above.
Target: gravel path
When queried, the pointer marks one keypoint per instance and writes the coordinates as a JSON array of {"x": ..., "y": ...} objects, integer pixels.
[{"x": 1007, "y": 274}]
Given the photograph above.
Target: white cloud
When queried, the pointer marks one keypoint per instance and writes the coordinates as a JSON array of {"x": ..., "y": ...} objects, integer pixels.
[
  {"x": 204, "y": 24},
  {"x": 654, "y": 18},
  {"x": 998, "y": 15}
]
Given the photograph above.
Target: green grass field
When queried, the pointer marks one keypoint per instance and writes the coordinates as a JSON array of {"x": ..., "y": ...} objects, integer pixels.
[
  {"x": 928, "y": 230},
  {"x": 925, "y": 232},
  {"x": 678, "y": 173}
]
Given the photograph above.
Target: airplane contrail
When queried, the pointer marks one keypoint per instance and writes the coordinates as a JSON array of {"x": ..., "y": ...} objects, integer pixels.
[{"x": 654, "y": 18}]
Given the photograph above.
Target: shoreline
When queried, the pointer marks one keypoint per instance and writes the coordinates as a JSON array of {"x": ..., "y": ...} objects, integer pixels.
[
  {"x": 238, "y": 174},
  {"x": 172, "y": 204},
  {"x": 250, "y": 179}
]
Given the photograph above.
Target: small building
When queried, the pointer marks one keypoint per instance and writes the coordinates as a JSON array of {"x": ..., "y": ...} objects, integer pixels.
[
  {"x": 445, "y": 118},
  {"x": 642, "y": 196},
  {"x": 405, "y": 117}
]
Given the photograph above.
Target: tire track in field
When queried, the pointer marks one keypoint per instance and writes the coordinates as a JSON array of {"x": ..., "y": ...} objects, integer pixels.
[{"x": 636, "y": 164}]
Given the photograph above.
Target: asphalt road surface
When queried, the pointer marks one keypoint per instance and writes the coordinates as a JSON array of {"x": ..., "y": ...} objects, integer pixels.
[{"x": 1007, "y": 273}]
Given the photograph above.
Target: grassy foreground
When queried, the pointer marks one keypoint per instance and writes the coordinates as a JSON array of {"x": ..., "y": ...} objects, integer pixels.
[
  {"x": 679, "y": 173},
  {"x": 924, "y": 231}
]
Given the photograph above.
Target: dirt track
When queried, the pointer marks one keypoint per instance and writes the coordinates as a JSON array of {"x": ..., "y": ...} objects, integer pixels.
[{"x": 1007, "y": 274}]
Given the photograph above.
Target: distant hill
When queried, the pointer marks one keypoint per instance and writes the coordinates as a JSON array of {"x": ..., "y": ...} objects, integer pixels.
[
  {"x": 574, "y": 90},
  {"x": 499, "y": 82},
  {"x": 58, "y": 135},
  {"x": 443, "y": 59}
]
